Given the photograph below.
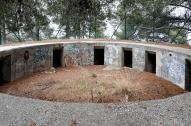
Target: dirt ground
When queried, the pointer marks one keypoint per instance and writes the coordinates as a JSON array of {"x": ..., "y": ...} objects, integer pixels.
[{"x": 92, "y": 84}]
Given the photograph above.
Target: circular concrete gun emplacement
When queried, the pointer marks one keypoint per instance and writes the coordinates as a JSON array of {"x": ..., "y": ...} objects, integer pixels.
[{"x": 94, "y": 71}]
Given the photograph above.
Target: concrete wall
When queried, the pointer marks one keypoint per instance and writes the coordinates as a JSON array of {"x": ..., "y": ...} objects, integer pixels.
[
  {"x": 139, "y": 58},
  {"x": 170, "y": 63},
  {"x": 43, "y": 58},
  {"x": 20, "y": 67},
  {"x": 40, "y": 59},
  {"x": 113, "y": 55},
  {"x": 171, "y": 66},
  {"x": 78, "y": 55}
]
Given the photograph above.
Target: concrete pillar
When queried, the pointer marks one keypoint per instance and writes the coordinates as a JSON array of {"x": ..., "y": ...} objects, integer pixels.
[
  {"x": 139, "y": 59},
  {"x": 113, "y": 56}
]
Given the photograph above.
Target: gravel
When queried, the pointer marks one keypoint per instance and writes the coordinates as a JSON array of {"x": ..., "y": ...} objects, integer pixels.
[{"x": 16, "y": 111}]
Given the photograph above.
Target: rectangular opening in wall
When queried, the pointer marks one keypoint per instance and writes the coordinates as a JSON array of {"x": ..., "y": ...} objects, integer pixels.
[
  {"x": 150, "y": 64},
  {"x": 57, "y": 58},
  {"x": 98, "y": 55},
  {"x": 128, "y": 57},
  {"x": 5, "y": 69},
  {"x": 188, "y": 75}
]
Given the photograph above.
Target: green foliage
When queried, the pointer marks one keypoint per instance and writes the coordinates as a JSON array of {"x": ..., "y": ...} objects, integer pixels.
[
  {"x": 181, "y": 38},
  {"x": 30, "y": 19},
  {"x": 24, "y": 21},
  {"x": 80, "y": 18},
  {"x": 145, "y": 17}
]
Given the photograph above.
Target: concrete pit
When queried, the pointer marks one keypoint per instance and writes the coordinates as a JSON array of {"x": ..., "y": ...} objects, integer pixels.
[
  {"x": 26, "y": 71},
  {"x": 167, "y": 71}
]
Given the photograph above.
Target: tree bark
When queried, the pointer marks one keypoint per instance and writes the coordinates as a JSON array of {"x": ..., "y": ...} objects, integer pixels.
[
  {"x": 0, "y": 37},
  {"x": 37, "y": 32},
  {"x": 4, "y": 35}
]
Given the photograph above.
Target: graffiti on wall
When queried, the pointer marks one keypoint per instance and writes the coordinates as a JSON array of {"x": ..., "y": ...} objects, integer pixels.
[
  {"x": 75, "y": 55},
  {"x": 21, "y": 63},
  {"x": 112, "y": 55},
  {"x": 42, "y": 54},
  {"x": 173, "y": 69}
]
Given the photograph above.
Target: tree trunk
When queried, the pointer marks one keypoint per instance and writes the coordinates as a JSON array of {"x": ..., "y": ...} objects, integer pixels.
[
  {"x": 4, "y": 35},
  {"x": 90, "y": 31},
  {"x": 125, "y": 25},
  {"x": 37, "y": 36},
  {"x": 153, "y": 22},
  {"x": 67, "y": 30},
  {"x": 95, "y": 28},
  {"x": 0, "y": 37},
  {"x": 37, "y": 28}
]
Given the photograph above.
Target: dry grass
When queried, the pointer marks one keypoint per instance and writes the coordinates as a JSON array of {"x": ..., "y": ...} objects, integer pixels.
[
  {"x": 128, "y": 82},
  {"x": 73, "y": 123},
  {"x": 94, "y": 75},
  {"x": 124, "y": 86},
  {"x": 92, "y": 84}
]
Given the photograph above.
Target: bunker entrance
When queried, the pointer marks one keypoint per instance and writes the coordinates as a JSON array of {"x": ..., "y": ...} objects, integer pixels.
[
  {"x": 99, "y": 56},
  {"x": 5, "y": 69},
  {"x": 188, "y": 75},
  {"x": 57, "y": 58},
  {"x": 150, "y": 62},
  {"x": 128, "y": 55}
]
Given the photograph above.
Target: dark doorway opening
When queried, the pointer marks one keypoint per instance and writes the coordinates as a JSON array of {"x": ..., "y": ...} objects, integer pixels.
[
  {"x": 57, "y": 58},
  {"x": 5, "y": 70},
  {"x": 99, "y": 56},
  {"x": 128, "y": 57},
  {"x": 150, "y": 62},
  {"x": 188, "y": 75}
]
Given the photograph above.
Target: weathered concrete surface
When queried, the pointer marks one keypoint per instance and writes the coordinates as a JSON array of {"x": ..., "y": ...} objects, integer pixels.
[
  {"x": 78, "y": 55},
  {"x": 40, "y": 59},
  {"x": 113, "y": 55},
  {"x": 172, "y": 67},
  {"x": 21, "y": 67},
  {"x": 175, "y": 111},
  {"x": 139, "y": 59},
  {"x": 43, "y": 57}
]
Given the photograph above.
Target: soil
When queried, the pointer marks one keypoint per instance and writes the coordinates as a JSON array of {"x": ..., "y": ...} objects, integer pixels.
[{"x": 92, "y": 84}]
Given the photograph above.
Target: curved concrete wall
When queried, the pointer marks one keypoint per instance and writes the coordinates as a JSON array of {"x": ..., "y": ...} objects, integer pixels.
[{"x": 24, "y": 59}]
